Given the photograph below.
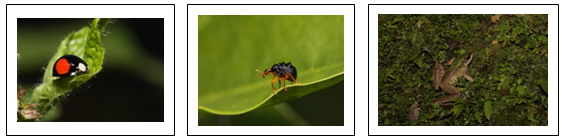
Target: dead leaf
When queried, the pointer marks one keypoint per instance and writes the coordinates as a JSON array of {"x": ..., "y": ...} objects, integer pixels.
[
  {"x": 29, "y": 111},
  {"x": 438, "y": 73},
  {"x": 30, "y": 114},
  {"x": 495, "y": 18},
  {"x": 21, "y": 92},
  {"x": 414, "y": 113}
]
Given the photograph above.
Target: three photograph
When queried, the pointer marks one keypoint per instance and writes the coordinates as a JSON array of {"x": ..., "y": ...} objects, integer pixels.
[{"x": 278, "y": 69}]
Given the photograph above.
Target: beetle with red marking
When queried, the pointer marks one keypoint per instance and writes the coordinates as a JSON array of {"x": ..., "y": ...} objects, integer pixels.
[{"x": 69, "y": 65}]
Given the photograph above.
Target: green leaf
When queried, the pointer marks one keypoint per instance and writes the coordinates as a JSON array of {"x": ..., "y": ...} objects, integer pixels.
[
  {"x": 232, "y": 47},
  {"x": 478, "y": 116},
  {"x": 488, "y": 110},
  {"x": 544, "y": 85},
  {"x": 521, "y": 90},
  {"x": 457, "y": 110},
  {"x": 519, "y": 81},
  {"x": 279, "y": 115},
  {"x": 84, "y": 43}
]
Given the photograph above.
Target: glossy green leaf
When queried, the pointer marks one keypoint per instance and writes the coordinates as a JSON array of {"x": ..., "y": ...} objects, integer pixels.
[
  {"x": 278, "y": 115},
  {"x": 232, "y": 47},
  {"x": 488, "y": 110}
]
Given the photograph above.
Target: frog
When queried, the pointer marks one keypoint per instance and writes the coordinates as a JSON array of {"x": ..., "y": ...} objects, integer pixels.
[{"x": 447, "y": 80}]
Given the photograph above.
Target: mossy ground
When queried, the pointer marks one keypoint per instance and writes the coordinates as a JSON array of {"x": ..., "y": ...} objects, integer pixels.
[{"x": 510, "y": 68}]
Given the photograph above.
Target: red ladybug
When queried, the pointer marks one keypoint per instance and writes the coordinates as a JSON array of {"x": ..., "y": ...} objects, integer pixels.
[{"x": 69, "y": 65}]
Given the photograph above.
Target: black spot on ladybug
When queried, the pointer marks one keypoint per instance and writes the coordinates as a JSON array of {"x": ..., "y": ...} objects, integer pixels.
[{"x": 69, "y": 65}]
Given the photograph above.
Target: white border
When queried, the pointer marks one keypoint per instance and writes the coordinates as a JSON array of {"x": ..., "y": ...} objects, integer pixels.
[
  {"x": 92, "y": 11},
  {"x": 551, "y": 10},
  {"x": 346, "y": 10}
]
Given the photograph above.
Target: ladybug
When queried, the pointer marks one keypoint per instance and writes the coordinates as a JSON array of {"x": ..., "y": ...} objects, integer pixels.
[
  {"x": 69, "y": 65},
  {"x": 282, "y": 71}
]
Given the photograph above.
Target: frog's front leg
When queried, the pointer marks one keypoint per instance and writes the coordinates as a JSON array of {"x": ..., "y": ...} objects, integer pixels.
[
  {"x": 467, "y": 77},
  {"x": 451, "y": 61}
]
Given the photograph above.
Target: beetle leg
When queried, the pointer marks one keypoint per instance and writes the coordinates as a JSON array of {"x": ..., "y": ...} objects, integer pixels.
[
  {"x": 284, "y": 85},
  {"x": 279, "y": 81},
  {"x": 273, "y": 86},
  {"x": 293, "y": 79},
  {"x": 285, "y": 78}
]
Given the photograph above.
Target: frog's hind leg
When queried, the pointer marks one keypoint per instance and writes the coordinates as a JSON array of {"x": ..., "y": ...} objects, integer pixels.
[
  {"x": 451, "y": 90},
  {"x": 446, "y": 99}
]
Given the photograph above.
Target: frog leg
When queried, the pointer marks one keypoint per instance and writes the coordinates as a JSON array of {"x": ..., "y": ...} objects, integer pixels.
[
  {"x": 451, "y": 61},
  {"x": 449, "y": 89},
  {"x": 467, "y": 77}
]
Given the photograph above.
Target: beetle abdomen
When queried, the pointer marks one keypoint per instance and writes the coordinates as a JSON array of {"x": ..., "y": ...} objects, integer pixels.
[{"x": 282, "y": 69}]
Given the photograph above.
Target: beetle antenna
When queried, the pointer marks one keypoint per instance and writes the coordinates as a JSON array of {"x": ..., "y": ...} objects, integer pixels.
[{"x": 259, "y": 72}]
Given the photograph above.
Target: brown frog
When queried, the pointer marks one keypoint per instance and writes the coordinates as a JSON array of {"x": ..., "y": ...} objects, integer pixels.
[{"x": 446, "y": 80}]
